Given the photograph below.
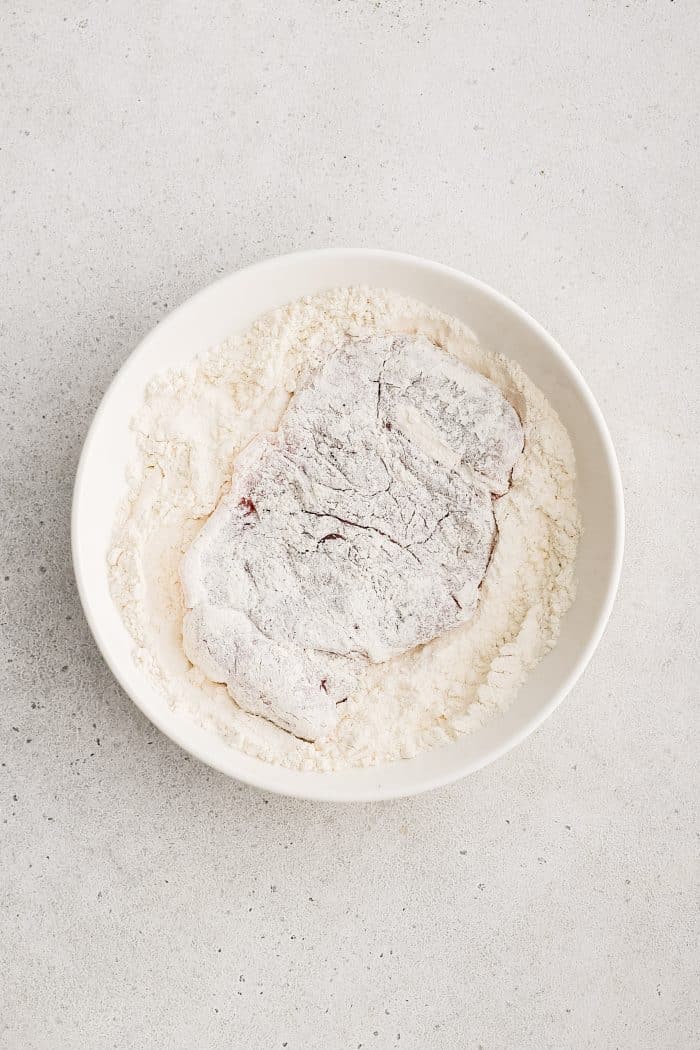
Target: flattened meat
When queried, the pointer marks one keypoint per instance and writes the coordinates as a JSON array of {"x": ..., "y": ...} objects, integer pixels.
[{"x": 361, "y": 528}]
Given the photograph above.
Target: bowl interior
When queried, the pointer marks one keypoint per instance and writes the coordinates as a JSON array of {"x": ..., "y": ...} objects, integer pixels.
[{"x": 231, "y": 304}]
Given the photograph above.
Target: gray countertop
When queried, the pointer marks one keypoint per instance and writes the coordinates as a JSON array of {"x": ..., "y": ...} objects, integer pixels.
[{"x": 547, "y": 148}]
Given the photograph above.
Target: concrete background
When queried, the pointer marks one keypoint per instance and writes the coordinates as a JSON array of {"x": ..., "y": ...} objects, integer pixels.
[{"x": 548, "y": 148}]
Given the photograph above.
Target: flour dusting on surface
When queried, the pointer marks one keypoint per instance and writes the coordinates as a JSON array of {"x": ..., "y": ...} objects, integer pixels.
[{"x": 189, "y": 430}]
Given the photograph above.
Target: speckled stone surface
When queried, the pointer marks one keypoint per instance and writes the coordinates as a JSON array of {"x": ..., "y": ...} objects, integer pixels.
[{"x": 549, "y": 901}]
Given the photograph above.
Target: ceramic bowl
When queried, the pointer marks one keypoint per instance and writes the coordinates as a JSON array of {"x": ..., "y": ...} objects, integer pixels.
[{"x": 230, "y": 304}]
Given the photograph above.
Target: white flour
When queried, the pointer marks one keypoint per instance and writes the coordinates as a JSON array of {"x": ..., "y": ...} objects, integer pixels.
[{"x": 189, "y": 431}]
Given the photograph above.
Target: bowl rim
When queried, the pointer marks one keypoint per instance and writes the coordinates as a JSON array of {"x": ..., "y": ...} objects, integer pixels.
[{"x": 424, "y": 783}]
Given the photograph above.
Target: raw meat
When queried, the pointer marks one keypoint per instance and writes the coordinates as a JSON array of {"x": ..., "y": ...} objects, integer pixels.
[{"x": 361, "y": 528}]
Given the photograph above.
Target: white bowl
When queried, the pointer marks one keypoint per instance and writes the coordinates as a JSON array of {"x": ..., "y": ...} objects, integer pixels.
[{"x": 230, "y": 305}]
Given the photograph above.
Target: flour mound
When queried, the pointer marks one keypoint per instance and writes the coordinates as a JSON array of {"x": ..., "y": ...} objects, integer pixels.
[{"x": 190, "y": 433}]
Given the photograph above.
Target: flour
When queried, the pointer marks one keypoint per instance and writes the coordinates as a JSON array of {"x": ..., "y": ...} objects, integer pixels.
[{"x": 189, "y": 430}]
